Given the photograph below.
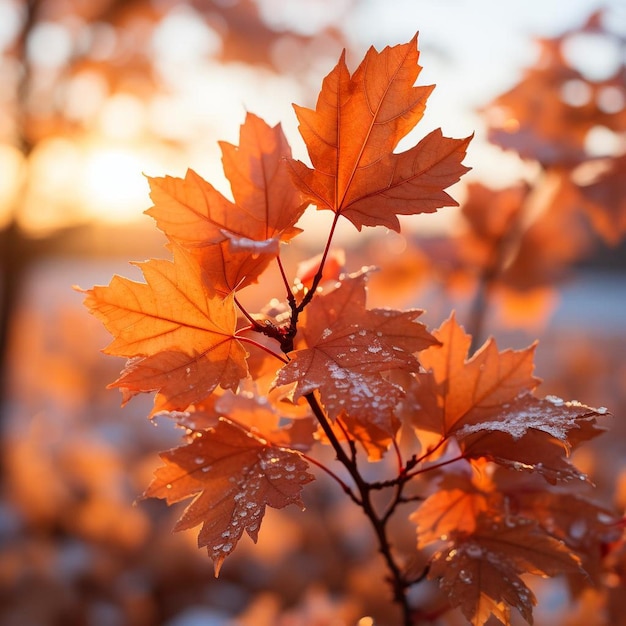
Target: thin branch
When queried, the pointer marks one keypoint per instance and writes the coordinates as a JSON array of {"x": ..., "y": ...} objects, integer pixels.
[
  {"x": 335, "y": 477},
  {"x": 349, "y": 439},
  {"x": 397, "y": 579},
  {"x": 247, "y": 315},
  {"x": 291, "y": 299},
  {"x": 417, "y": 460},
  {"x": 261, "y": 346},
  {"x": 492, "y": 272},
  {"x": 430, "y": 468},
  {"x": 342, "y": 457},
  {"x": 320, "y": 270}
]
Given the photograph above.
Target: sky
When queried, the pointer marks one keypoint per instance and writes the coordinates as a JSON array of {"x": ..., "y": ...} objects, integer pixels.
[{"x": 471, "y": 49}]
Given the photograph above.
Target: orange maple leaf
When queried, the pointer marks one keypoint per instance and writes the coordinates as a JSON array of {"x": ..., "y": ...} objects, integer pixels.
[
  {"x": 374, "y": 440},
  {"x": 548, "y": 114},
  {"x": 264, "y": 418},
  {"x": 193, "y": 213},
  {"x": 182, "y": 341},
  {"x": 226, "y": 270},
  {"x": 481, "y": 572},
  {"x": 450, "y": 510},
  {"x": 460, "y": 389},
  {"x": 352, "y": 133},
  {"x": 232, "y": 476},
  {"x": 486, "y": 404}
]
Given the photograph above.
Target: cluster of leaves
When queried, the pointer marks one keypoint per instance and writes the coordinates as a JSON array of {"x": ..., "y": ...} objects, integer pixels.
[
  {"x": 523, "y": 238},
  {"x": 258, "y": 392}
]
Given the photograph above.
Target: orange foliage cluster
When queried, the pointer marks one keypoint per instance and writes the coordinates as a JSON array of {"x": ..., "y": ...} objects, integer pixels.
[{"x": 483, "y": 460}]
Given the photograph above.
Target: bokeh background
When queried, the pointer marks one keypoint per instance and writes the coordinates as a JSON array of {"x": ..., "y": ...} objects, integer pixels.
[{"x": 95, "y": 94}]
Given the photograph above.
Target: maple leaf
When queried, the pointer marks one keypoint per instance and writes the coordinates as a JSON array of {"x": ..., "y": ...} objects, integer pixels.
[
  {"x": 193, "y": 213},
  {"x": 480, "y": 571},
  {"x": 486, "y": 404},
  {"x": 605, "y": 200},
  {"x": 553, "y": 241},
  {"x": 584, "y": 526},
  {"x": 184, "y": 342},
  {"x": 352, "y": 133},
  {"x": 226, "y": 270},
  {"x": 375, "y": 440},
  {"x": 348, "y": 349},
  {"x": 264, "y": 418},
  {"x": 179, "y": 378},
  {"x": 450, "y": 510},
  {"x": 455, "y": 386},
  {"x": 232, "y": 476},
  {"x": 540, "y": 117}
]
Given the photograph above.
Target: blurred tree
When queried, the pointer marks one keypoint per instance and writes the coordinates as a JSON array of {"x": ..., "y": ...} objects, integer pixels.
[
  {"x": 567, "y": 117},
  {"x": 65, "y": 60}
]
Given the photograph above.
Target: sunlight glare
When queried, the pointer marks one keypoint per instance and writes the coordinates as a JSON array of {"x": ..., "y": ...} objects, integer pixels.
[
  {"x": 113, "y": 185},
  {"x": 49, "y": 45},
  {"x": 50, "y": 199},
  {"x": 122, "y": 117},
  {"x": 184, "y": 37},
  {"x": 86, "y": 91},
  {"x": 597, "y": 57}
]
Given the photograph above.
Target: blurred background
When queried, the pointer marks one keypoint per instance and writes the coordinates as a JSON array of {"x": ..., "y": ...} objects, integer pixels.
[{"x": 96, "y": 93}]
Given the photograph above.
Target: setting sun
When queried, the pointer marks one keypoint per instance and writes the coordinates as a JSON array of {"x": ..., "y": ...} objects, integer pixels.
[{"x": 113, "y": 187}]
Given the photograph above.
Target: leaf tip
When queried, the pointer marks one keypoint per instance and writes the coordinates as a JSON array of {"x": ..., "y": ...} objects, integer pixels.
[{"x": 217, "y": 565}]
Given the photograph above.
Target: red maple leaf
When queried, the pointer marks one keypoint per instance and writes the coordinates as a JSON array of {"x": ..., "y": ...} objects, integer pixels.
[
  {"x": 232, "y": 476},
  {"x": 349, "y": 348},
  {"x": 481, "y": 572}
]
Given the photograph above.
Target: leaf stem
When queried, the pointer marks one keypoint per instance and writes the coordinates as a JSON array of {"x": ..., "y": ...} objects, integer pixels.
[
  {"x": 296, "y": 309},
  {"x": 397, "y": 579},
  {"x": 396, "y": 447},
  {"x": 335, "y": 477},
  {"x": 320, "y": 270},
  {"x": 252, "y": 342},
  {"x": 291, "y": 299},
  {"x": 417, "y": 460},
  {"x": 247, "y": 315},
  {"x": 430, "y": 468}
]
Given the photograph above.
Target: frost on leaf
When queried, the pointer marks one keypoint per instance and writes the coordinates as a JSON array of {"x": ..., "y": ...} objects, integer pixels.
[
  {"x": 486, "y": 403},
  {"x": 480, "y": 571},
  {"x": 180, "y": 379},
  {"x": 231, "y": 476},
  {"x": 349, "y": 348},
  {"x": 353, "y": 132}
]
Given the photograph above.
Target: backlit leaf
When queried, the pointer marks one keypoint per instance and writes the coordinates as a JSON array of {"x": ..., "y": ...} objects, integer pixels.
[
  {"x": 231, "y": 476},
  {"x": 480, "y": 573},
  {"x": 193, "y": 213},
  {"x": 183, "y": 341},
  {"x": 352, "y": 134}
]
